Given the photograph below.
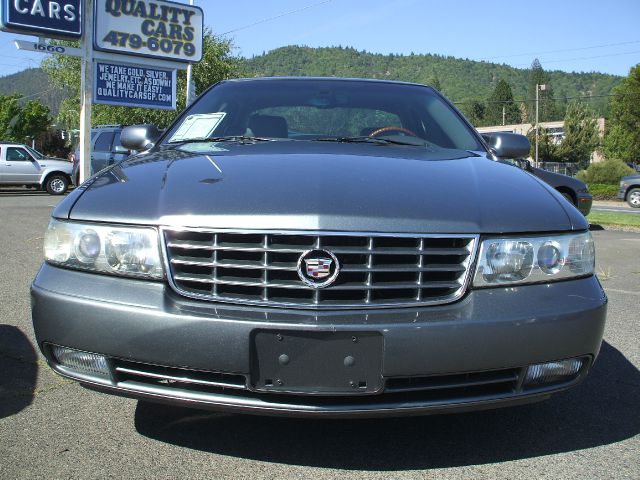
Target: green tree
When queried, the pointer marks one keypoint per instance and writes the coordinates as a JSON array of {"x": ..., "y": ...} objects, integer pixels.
[
  {"x": 622, "y": 140},
  {"x": 581, "y": 135},
  {"x": 217, "y": 64},
  {"x": 547, "y": 109},
  {"x": 548, "y": 148},
  {"x": 9, "y": 111},
  {"x": 502, "y": 98},
  {"x": 435, "y": 83},
  {"x": 33, "y": 120},
  {"x": 475, "y": 112},
  {"x": 20, "y": 123}
]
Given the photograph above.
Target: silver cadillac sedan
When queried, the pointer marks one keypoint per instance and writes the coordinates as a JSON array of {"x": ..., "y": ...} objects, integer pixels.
[{"x": 320, "y": 247}]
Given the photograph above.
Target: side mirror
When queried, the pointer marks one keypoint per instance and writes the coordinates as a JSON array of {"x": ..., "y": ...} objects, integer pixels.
[
  {"x": 508, "y": 145},
  {"x": 139, "y": 137}
]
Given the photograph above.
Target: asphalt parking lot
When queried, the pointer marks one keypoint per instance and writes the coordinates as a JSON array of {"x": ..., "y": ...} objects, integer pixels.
[{"x": 53, "y": 428}]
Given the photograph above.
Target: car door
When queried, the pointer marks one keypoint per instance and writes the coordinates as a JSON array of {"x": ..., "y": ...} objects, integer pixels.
[
  {"x": 3, "y": 167},
  {"x": 20, "y": 166},
  {"x": 101, "y": 153}
]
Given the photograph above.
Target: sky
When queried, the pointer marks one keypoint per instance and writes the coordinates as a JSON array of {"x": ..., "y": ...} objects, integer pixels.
[{"x": 568, "y": 35}]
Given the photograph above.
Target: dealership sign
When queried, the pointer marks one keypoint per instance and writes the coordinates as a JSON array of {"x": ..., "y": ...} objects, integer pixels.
[
  {"x": 134, "y": 85},
  {"x": 53, "y": 18},
  {"x": 152, "y": 28}
]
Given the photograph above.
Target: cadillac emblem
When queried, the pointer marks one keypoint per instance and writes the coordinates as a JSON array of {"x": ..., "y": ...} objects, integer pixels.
[{"x": 318, "y": 268}]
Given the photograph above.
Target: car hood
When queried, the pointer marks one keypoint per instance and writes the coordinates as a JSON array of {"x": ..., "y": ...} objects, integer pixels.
[
  {"x": 55, "y": 161},
  {"x": 320, "y": 186},
  {"x": 630, "y": 178}
]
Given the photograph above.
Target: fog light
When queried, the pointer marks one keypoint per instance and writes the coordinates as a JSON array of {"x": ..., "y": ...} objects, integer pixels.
[
  {"x": 81, "y": 362},
  {"x": 552, "y": 372}
]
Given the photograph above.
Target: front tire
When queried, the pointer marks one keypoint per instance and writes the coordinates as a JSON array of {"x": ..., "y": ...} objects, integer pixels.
[
  {"x": 633, "y": 198},
  {"x": 57, "y": 184}
]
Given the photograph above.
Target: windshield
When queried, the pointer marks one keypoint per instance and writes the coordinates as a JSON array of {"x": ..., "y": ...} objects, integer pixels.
[
  {"x": 316, "y": 109},
  {"x": 35, "y": 153}
]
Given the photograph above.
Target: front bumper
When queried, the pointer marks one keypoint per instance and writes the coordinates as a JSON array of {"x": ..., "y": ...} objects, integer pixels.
[{"x": 477, "y": 343}]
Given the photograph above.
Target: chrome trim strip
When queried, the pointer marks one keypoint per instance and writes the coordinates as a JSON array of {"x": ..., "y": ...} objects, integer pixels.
[
  {"x": 142, "y": 373},
  {"x": 469, "y": 265}
]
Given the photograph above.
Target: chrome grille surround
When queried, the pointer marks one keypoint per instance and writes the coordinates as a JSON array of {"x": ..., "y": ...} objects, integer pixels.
[{"x": 259, "y": 267}]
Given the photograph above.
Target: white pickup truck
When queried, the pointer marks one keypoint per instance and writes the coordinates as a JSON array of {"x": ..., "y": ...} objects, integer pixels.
[{"x": 22, "y": 165}]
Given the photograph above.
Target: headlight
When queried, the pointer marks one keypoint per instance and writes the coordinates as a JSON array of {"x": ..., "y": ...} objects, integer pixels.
[
  {"x": 129, "y": 251},
  {"x": 507, "y": 261}
]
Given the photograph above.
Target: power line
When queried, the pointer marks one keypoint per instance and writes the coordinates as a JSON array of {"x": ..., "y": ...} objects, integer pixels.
[
  {"x": 563, "y": 50},
  {"x": 280, "y": 15},
  {"x": 583, "y": 58}
]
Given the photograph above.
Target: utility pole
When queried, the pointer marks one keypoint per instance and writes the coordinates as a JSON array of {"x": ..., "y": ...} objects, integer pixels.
[
  {"x": 191, "y": 93},
  {"x": 504, "y": 114},
  {"x": 86, "y": 88},
  {"x": 538, "y": 88}
]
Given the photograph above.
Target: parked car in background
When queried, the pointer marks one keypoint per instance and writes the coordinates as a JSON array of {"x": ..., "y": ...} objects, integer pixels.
[
  {"x": 634, "y": 165},
  {"x": 320, "y": 246},
  {"x": 106, "y": 149},
  {"x": 21, "y": 165},
  {"x": 575, "y": 191},
  {"x": 630, "y": 190}
]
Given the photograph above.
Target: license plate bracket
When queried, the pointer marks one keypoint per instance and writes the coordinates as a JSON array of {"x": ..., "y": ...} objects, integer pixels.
[{"x": 322, "y": 363}]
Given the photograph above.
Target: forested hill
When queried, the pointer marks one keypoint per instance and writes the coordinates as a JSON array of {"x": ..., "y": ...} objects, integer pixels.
[
  {"x": 462, "y": 81},
  {"x": 34, "y": 84}
]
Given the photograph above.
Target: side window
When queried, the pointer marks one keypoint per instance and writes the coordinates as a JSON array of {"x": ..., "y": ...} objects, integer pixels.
[
  {"x": 117, "y": 146},
  {"x": 17, "y": 154},
  {"x": 103, "y": 142}
]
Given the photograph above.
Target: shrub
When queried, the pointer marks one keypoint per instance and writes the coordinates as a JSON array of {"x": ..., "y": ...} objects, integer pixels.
[
  {"x": 602, "y": 191},
  {"x": 608, "y": 172}
]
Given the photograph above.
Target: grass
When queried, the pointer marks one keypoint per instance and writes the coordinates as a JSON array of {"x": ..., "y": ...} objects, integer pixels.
[{"x": 616, "y": 219}]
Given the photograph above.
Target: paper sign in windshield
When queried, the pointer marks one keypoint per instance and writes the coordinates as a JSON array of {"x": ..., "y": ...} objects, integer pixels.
[{"x": 198, "y": 126}]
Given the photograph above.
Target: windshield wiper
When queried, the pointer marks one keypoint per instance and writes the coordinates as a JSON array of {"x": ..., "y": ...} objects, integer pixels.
[
  {"x": 375, "y": 140},
  {"x": 243, "y": 139}
]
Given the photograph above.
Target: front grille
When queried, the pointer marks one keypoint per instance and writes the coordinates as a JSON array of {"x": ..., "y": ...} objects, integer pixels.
[
  {"x": 375, "y": 270},
  {"x": 498, "y": 380}
]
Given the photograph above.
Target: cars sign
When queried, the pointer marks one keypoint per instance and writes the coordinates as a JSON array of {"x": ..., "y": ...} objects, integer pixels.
[{"x": 56, "y": 19}]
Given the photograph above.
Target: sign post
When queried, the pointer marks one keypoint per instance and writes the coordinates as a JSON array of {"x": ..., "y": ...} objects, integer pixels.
[
  {"x": 191, "y": 88},
  {"x": 86, "y": 86}
]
